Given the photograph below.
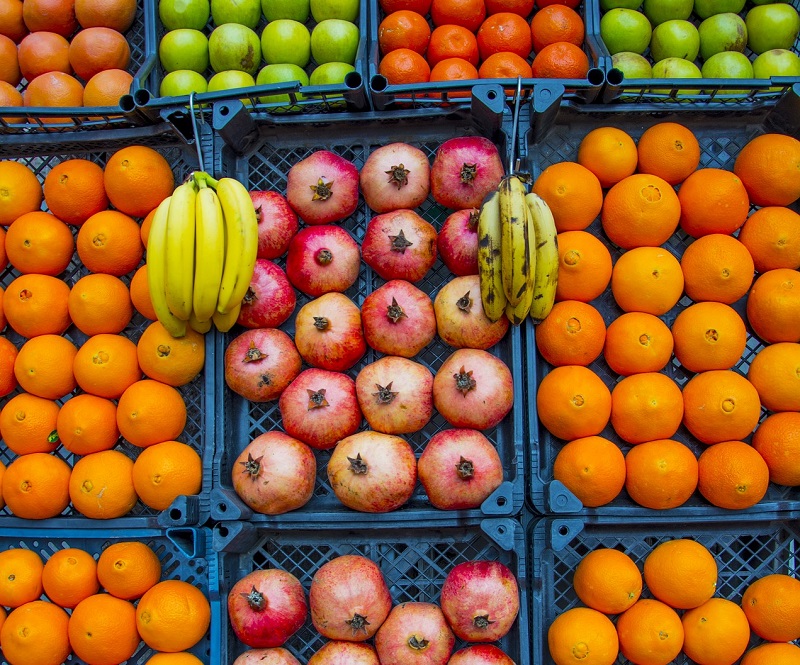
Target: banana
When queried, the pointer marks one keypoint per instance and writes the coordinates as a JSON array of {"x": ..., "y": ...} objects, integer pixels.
[
  {"x": 199, "y": 326},
  {"x": 156, "y": 270},
  {"x": 489, "y": 255},
  {"x": 519, "y": 313},
  {"x": 545, "y": 277},
  {"x": 241, "y": 233},
  {"x": 515, "y": 262},
  {"x": 224, "y": 322},
  {"x": 209, "y": 254},
  {"x": 180, "y": 250}
]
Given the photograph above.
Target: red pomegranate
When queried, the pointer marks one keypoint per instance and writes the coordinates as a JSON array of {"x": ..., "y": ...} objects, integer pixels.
[
  {"x": 398, "y": 319},
  {"x": 464, "y": 171},
  {"x": 260, "y": 363},
  {"x": 395, "y": 176},
  {"x": 277, "y": 223},
  {"x": 328, "y": 332},
  {"x": 457, "y": 242},
  {"x": 399, "y": 245},
  {"x": 269, "y": 300},
  {"x": 323, "y": 188},
  {"x": 345, "y": 653},
  {"x": 323, "y": 259},
  {"x": 460, "y": 320},
  {"x": 415, "y": 633},
  {"x": 480, "y": 654},
  {"x": 273, "y": 656}
]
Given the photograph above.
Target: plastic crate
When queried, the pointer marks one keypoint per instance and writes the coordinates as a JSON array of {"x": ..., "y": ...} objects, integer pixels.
[
  {"x": 185, "y": 554},
  {"x": 264, "y": 165},
  {"x": 198, "y": 395},
  {"x": 555, "y": 139},
  {"x": 414, "y": 563},
  {"x": 744, "y": 549}
]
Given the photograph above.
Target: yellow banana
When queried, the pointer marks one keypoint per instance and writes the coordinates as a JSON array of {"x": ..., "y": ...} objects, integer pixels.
[
  {"x": 180, "y": 250},
  {"x": 156, "y": 271},
  {"x": 224, "y": 322},
  {"x": 241, "y": 238},
  {"x": 545, "y": 277},
  {"x": 516, "y": 266},
  {"x": 209, "y": 254},
  {"x": 519, "y": 313},
  {"x": 199, "y": 326},
  {"x": 489, "y": 256}
]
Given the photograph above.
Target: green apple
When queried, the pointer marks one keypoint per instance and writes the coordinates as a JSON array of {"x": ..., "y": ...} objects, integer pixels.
[
  {"x": 705, "y": 8},
  {"x": 234, "y": 46},
  {"x": 632, "y": 65},
  {"x": 605, "y": 5},
  {"x": 244, "y": 12},
  {"x": 347, "y": 10},
  {"x": 184, "y": 49},
  {"x": 772, "y": 26},
  {"x": 334, "y": 40},
  {"x": 625, "y": 30},
  {"x": 281, "y": 73},
  {"x": 331, "y": 73},
  {"x": 722, "y": 32},
  {"x": 728, "y": 65},
  {"x": 296, "y": 10},
  {"x": 182, "y": 82},
  {"x": 658, "y": 11},
  {"x": 674, "y": 39},
  {"x": 770, "y": 2},
  {"x": 286, "y": 42},
  {"x": 233, "y": 79},
  {"x": 175, "y": 14},
  {"x": 675, "y": 68},
  {"x": 776, "y": 62}
]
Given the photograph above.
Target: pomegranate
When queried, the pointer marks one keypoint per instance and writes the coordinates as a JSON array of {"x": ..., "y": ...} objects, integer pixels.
[
  {"x": 398, "y": 319},
  {"x": 277, "y": 223},
  {"x": 260, "y": 363},
  {"x": 395, "y": 395},
  {"x": 460, "y": 319},
  {"x": 320, "y": 407},
  {"x": 274, "y": 656},
  {"x": 480, "y": 600},
  {"x": 349, "y": 599},
  {"x": 323, "y": 188},
  {"x": 395, "y": 176},
  {"x": 415, "y": 633},
  {"x": 459, "y": 469},
  {"x": 269, "y": 300},
  {"x": 480, "y": 654},
  {"x": 274, "y": 474},
  {"x": 457, "y": 242},
  {"x": 345, "y": 653},
  {"x": 323, "y": 259},
  {"x": 473, "y": 389},
  {"x": 464, "y": 171},
  {"x": 328, "y": 332},
  {"x": 399, "y": 245},
  {"x": 267, "y": 607},
  {"x": 373, "y": 472}
]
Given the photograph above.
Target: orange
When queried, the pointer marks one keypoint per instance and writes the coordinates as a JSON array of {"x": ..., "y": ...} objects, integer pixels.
[
  {"x": 37, "y": 305},
  {"x": 647, "y": 279},
  {"x": 9, "y": 62},
  {"x": 11, "y": 23},
  {"x": 165, "y": 471},
  {"x": 144, "y": 230},
  {"x": 572, "y": 334},
  {"x": 521, "y": 7},
  {"x": 54, "y": 89},
  {"x": 715, "y": 633},
  {"x": 105, "y": 88},
  {"x": 720, "y": 405},
  {"x": 3, "y": 615},
  {"x": 53, "y": 15},
  {"x": 775, "y": 373},
  {"x": 640, "y": 210},
  {"x": 504, "y": 32},
  {"x": 772, "y": 236},
  {"x": 28, "y": 424},
  {"x": 452, "y": 41},
  {"x": 419, "y": 6},
  {"x": 150, "y": 412},
  {"x": 20, "y": 577},
  {"x": 102, "y": 630},
  {"x": 88, "y": 424},
  {"x": 773, "y": 306},
  {"x": 681, "y": 573},
  {"x": 36, "y": 633},
  {"x": 109, "y": 242},
  {"x": 140, "y": 294},
  {"x": 404, "y": 29},
  {"x": 452, "y": 69},
  {"x": 582, "y": 635},
  {"x": 668, "y": 150},
  {"x": 44, "y": 366},
  {"x": 637, "y": 342},
  {"x": 39, "y": 243},
  {"x": 607, "y": 580},
  {"x": 74, "y": 191},
  {"x": 712, "y": 201},
  {"x": 8, "y": 355},
  {"x": 42, "y": 52},
  {"x": 556, "y": 23},
  {"x": 116, "y": 14},
  {"x": 175, "y": 362},
  {"x": 772, "y": 607},
  {"x": 101, "y": 485},
  {"x": 137, "y": 179},
  {"x": 732, "y": 475},
  {"x": 573, "y": 194},
  {"x": 609, "y": 153},
  {"x": 573, "y": 402},
  {"x": 466, "y": 13},
  {"x": 504, "y": 65},
  {"x": 182, "y": 658},
  {"x": 709, "y": 335},
  {"x": 3, "y": 321},
  {"x": 772, "y": 654},
  {"x": 20, "y": 191},
  {"x": 94, "y": 50},
  {"x": 128, "y": 569},
  {"x": 592, "y": 468},
  {"x": 650, "y": 633},
  {"x": 645, "y": 407},
  {"x": 777, "y": 440},
  {"x": 106, "y": 365},
  {"x": 561, "y": 60},
  {"x": 35, "y": 486},
  {"x": 584, "y": 267},
  {"x": 69, "y": 576},
  {"x": 100, "y": 303},
  {"x": 173, "y": 616},
  {"x": 403, "y": 66},
  {"x": 10, "y": 96},
  {"x": 717, "y": 267},
  {"x": 769, "y": 167},
  {"x": 660, "y": 474}
]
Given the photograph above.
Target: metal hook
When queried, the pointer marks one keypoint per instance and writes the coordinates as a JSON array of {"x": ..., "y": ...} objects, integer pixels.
[
  {"x": 196, "y": 132},
  {"x": 513, "y": 166}
]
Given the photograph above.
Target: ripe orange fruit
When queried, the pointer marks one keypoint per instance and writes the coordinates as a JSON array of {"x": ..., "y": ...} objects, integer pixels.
[
  {"x": 404, "y": 29},
  {"x": 419, "y": 6},
  {"x": 773, "y": 306},
  {"x": 681, "y": 573},
  {"x": 660, "y": 474},
  {"x": 28, "y": 424},
  {"x": 69, "y": 576},
  {"x": 607, "y": 580},
  {"x": 101, "y": 485},
  {"x": 44, "y": 366},
  {"x": 650, "y": 633},
  {"x": 580, "y": 633},
  {"x": 74, "y": 191},
  {"x": 584, "y": 267},
  {"x": 175, "y": 362},
  {"x": 717, "y": 267},
  {"x": 715, "y": 633},
  {"x": 504, "y": 32},
  {"x": 53, "y": 15},
  {"x": 668, "y": 150},
  {"x": 106, "y": 365},
  {"x": 20, "y": 577},
  {"x": 165, "y": 471},
  {"x": 150, "y": 412},
  {"x": 732, "y": 475},
  {"x": 647, "y": 279},
  {"x": 769, "y": 167},
  {"x": 36, "y": 633},
  {"x": 561, "y": 60},
  {"x": 712, "y": 201},
  {"x": 709, "y": 335},
  {"x": 645, "y": 407},
  {"x": 772, "y": 607},
  {"x": 609, "y": 153},
  {"x": 39, "y": 243},
  {"x": 102, "y": 630},
  {"x": 522, "y": 8},
  {"x": 777, "y": 440},
  {"x": 88, "y": 424},
  {"x": 592, "y": 468},
  {"x": 35, "y": 486},
  {"x": 403, "y": 66},
  {"x": 54, "y": 89},
  {"x": 504, "y": 65},
  {"x": 20, "y": 191},
  {"x": 140, "y": 294},
  {"x": 10, "y": 96},
  {"x": 128, "y": 569},
  {"x": 11, "y": 22},
  {"x": 94, "y": 50},
  {"x": 109, "y": 242},
  {"x": 466, "y": 13},
  {"x": 573, "y": 402},
  {"x": 37, "y": 305},
  {"x": 573, "y": 194},
  {"x": 182, "y": 658},
  {"x": 116, "y": 14},
  {"x": 452, "y": 41},
  {"x": 637, "y": 342},
  {"x": 572, "y": 334},
  {"x": 556, "y": 23},
  {"x": 772, "y": 236},
  {"x": 771, "y": 653},
  {"x": 9, "y": 61},
  {"x": 144, "y": 229},
  {"x": 100, "y": 303},
  {"x": 775, "y": 373},
  {"x": 452, "y": 69},
  {"x": 173, "y": 616},
  {"x": 8, "y": 355},
  {"x": 105, "y": 88},
  {"x": 42, "y": 52},
  {"x": 137, "y": 179}
]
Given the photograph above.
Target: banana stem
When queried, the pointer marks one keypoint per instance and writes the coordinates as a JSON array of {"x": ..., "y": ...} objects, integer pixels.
[{"x": 203, "y": 177}]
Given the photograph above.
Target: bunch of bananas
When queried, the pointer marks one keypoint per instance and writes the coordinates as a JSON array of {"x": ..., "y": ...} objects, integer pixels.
[
  {"x": 517, "y": 254},
  {"x": 201, "y": 252}
]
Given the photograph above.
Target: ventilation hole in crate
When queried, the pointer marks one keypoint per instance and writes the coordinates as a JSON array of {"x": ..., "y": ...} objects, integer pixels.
[
  {"x": 501, "y": 501},
  {"x": 222, "y": 507},
  {"x": 224, "y": 110},
  {"x": 563, "y": 530},
  {"x": 175, "y": 514},
  {"x": 223, "y": 531}
]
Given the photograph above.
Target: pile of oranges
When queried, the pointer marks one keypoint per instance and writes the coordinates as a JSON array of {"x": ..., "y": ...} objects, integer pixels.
[
  {"x": 171, "y": 616},
  {"x": 485, "y": 39},
  {"x": 727, "y": 375},
  {"x": 77, "y": 335}
]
